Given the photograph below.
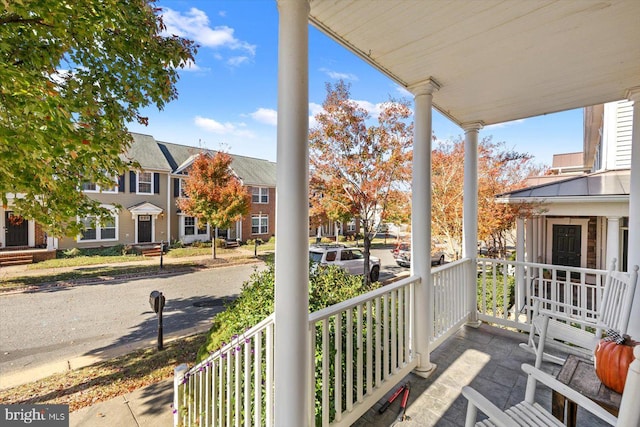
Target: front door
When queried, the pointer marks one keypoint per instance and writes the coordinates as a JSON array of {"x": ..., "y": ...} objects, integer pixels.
[
  {"x": 567, "y": 247},
  {"x": 16, "y": 230},
  {"x": 144, "y": 228}
]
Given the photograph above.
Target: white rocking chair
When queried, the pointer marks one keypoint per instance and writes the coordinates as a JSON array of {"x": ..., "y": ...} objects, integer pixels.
[
  {"x": 554, "y": 320},
  {"x": 530, "y": 413}
]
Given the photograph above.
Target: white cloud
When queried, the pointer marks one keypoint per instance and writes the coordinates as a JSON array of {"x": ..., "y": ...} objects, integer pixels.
[
  {"x": 373, "y": 109},
  {"x": 227, "y": 128},
  {"x": 266, "y": 116},
  {"x": 403, "y": 92},
  {"x": 339, "y": 76},
  {"x": 195, "y": 25},
  {"x": 238, "y": 60}
]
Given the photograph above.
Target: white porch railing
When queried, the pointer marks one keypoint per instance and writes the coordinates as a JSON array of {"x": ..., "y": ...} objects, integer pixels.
[
  {"x": 450, "y": 307},
  {"x": 231, "y": 387},
  {"x": 366, "y": 347},
  {"x": 363, "y": 347},
  {"x": 505, "y": 289}
]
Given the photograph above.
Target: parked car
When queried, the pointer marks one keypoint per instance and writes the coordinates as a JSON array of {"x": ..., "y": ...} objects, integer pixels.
[
  {"x": 350, "y": 259},
  {"x": 402, "y": 255}
]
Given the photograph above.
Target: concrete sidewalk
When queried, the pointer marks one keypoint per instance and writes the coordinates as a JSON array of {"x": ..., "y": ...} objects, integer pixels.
[{"x": 146, "y": 407}]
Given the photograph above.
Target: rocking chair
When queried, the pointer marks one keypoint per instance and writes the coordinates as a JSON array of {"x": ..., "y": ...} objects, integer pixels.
[{"x": 554, "y": 320}]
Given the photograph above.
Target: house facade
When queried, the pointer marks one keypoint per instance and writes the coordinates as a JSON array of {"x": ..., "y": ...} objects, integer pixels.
[
  {"x": 144, "y": 207},
  {"x": 582, "y": 212}
]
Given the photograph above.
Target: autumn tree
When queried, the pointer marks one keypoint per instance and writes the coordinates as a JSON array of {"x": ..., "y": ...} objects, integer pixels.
[
  {"x": 72, "y": 75},
  {"x": 499, "y": 170},
  {"x": 213, "y": 194},
  {"x": 359, "y": 165}
]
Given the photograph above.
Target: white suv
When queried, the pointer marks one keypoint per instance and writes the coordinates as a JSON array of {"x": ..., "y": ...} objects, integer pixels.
[{"x": 350, "y": 259}]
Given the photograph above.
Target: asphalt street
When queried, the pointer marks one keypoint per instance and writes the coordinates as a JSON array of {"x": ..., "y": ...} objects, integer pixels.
[
  {"x": 42, "y": 327},
  {"x": 67, "y": 327}
]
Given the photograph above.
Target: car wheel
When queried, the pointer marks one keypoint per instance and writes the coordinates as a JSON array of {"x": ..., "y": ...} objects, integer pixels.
[{"x": 375, "y": 273}]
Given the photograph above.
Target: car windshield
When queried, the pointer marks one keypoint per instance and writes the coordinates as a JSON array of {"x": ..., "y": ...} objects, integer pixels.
[{"x": 315, "y": 256}]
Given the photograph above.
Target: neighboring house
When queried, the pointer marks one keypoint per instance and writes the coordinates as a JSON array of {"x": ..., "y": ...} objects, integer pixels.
[
  {"x": 257, "y": 175},
  {"x": 147, "y": 198},
  {"x": 582, "y": 211}
]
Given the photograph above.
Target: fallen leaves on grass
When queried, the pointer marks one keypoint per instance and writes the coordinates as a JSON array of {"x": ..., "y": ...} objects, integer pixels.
[{"x": 105, "y": 380}]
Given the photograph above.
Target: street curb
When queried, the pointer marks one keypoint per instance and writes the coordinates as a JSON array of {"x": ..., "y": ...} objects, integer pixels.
[
  {"x": 81, "y": 282},
  {"x": 26, "y": 376}
]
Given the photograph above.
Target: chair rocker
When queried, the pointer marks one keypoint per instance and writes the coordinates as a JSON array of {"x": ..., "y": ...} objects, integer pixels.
[
  {"x": 557, "y": 323},
  {"x": 531, "y": 413}
]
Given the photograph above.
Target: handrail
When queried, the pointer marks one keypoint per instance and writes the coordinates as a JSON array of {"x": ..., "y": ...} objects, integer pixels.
[{"x": 355, "y": 301}]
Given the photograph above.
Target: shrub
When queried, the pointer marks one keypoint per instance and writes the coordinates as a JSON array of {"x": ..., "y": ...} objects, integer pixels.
[{"x": 327, "y": 286}]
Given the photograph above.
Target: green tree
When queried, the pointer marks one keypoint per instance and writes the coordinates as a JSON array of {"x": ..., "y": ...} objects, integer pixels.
[
  {"x": 72, "y": 75},
  {"x": 213, "y": 193},
  {"x": 359, "y": 167}
]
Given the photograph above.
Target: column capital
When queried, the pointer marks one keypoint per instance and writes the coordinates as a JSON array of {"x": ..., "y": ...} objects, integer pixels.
[
  {"x": 426, "y": 87},
  {"x": 613, "y": 218},
  {"x": 472, "y": 126},
  {"x": 633, "y": 94}
]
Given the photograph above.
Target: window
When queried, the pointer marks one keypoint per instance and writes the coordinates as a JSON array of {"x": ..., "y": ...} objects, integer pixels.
[
  {"x": 202, "y": 227},
  {"x": 260, "y": 195},
  {"x": 259, "y": 224},
  {"x": 92, "y": 187},
  {"x": 107, "y": 230},
  {"x": 145, "y": 183},
  {"x": 189, "y": 226},
  {"x": 351, "y": 226}
]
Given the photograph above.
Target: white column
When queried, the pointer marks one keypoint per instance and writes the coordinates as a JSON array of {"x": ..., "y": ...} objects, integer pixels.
[
  {"x": 31, "y": 233},
  {"x": 421, "y": 223},
  {"x": 613, "y": 241},
  {"x": 470, "y": 211},
  {"x": 520, "y": 242},
  {"x": 634, "y": 209},
  {"x": 292, "y": 218},
  {"x": 528, "y": 240}
]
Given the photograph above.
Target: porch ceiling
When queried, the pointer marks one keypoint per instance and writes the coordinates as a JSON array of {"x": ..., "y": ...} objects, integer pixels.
[{"x": 495, "y": 60}]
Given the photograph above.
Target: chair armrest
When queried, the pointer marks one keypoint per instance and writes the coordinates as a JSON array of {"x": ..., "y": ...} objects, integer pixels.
[
  {"x": 570, "y": 393},
  {"x": 483, "y": 404}
]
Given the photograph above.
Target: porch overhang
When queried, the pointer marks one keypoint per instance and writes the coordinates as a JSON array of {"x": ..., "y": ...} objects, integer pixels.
[
  {"x": 495, "y": 61},
  {"x": 145, "y": 208}
]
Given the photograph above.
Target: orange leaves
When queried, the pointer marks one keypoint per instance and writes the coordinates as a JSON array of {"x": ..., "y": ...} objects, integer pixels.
[{"x": 213, "y": 192}]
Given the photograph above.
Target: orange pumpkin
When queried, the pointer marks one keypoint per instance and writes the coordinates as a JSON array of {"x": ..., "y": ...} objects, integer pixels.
[{"x": 612, "y": 362}]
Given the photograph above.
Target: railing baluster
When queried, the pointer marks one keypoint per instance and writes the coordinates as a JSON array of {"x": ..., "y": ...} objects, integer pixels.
[
  {"x": 337, "y": 369},
  {"x": 394, "y": 335},
  {"x": 349, "y": 359},
  {"x": 359, "y": 358},
  {"x": 369, "y": 348},
  {"x": 325, "y": 372},
  {"x": 378, "y": 364}
]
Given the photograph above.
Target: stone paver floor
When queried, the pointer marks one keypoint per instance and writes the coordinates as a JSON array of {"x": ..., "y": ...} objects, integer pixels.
[{"x": 488, "y": 359}]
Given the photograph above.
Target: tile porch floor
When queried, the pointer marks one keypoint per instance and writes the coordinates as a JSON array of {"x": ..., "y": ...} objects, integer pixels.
[{"x": 487, "y": 358}]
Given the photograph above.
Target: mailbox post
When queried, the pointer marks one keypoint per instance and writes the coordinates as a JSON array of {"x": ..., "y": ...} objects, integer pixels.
[{"x": 156, "y": 301}]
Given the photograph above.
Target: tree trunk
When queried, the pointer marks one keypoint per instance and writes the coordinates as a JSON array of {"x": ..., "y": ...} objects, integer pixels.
[{"x": 367, "y": 257}]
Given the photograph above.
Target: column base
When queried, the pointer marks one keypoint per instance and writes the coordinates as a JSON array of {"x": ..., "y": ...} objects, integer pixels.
[
  {"x": 474, "y": 324},
  {"x": 425, "y": 372}
]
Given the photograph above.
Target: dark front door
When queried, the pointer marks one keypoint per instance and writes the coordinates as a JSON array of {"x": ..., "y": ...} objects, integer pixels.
[
  {"x": 144, "y": 228},
  {"x": 566, "y": 245},
  {"x": 16, "y": 230}
]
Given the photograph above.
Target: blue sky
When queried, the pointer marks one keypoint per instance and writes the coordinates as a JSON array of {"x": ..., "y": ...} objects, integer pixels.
[{"x": 228, "y": 100}]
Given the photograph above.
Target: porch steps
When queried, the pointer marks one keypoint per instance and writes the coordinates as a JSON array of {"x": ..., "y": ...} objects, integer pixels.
[
  {"x": 152, "y": 252},
  {"x": 15, "y": 259}
]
